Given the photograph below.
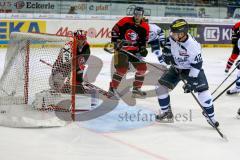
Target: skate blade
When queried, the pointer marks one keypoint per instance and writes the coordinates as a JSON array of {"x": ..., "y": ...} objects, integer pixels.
[
  {"x": 165, "y": 120},
  {"x": 114, "y": 97},
  {"x": 138, "y": 96},
  {"x": 234, "y": 93},
  {"x": 238, "y": 116}
]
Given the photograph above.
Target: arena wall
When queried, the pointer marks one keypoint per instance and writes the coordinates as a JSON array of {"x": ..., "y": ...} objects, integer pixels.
[{"x": 209, "y": 32}]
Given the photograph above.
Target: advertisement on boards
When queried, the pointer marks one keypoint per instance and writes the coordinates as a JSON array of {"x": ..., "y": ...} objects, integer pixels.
[
  {"x": 99, "y": 31},
  {"x": 8, "y": 26}
]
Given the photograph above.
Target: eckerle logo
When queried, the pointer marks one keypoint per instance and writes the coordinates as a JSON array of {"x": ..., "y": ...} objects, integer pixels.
[
  {"x": 211, "y": 33},
  {"x": 38, "y": 5},
  {"x": 19, "y": 4}
]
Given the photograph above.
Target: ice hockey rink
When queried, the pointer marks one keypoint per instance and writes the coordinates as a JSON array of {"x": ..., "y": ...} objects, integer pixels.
[{"x": 111, "y": 137}]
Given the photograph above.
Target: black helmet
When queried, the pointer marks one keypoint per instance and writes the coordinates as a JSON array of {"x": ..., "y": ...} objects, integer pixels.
[
  {"x": 138, "y": 11},
  {"x": 179, "y": 25}
]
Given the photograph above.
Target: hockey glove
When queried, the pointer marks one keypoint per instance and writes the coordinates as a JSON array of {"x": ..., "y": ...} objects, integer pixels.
[
  {"x": 143, "y": 51},
  {"x": 235, "y": 37},
  {"x": 139, "y": 56},
  {"x": 167, "y": 56},
  {"x": 81, "y": 62},
  {"x": 238, "y": 64},
  {"x": 117, "y": 45},
  {"x": 160, "y": 57},
  {"x": 234, "y": 40},
  {"x": 190, "y": 85}
]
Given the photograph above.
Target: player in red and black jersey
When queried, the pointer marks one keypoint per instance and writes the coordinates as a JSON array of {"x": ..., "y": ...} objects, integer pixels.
[
  {"x": 235, "y": 51},
  {"x": 61, "y": 72},
  {"x": 83, "y": 53},
  {"x": 130, "y": 34}
]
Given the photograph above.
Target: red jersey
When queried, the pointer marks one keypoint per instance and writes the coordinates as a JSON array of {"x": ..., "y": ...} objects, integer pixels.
[
  {"x": 236, "y": 26},
  {"x": 63, "y": 61},
  {"x": 126, "y": 29},
  {"x": 235, "y": 33}
]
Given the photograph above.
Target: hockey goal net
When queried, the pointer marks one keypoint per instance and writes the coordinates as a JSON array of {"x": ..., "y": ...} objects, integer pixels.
[{"x": 35, "y": 79}]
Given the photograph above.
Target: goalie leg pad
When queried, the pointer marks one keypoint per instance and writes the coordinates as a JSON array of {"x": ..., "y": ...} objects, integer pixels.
[
  {"x": 59, "y": 83},
  {"x": 46, "y": 98}
]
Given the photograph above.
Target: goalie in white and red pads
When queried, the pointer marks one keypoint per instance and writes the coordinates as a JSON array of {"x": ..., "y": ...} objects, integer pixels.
[{"x": 61, "y": 72}]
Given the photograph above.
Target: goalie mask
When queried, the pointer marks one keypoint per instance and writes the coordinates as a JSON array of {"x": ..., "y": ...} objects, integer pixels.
[{"x": 80, "y": 35}]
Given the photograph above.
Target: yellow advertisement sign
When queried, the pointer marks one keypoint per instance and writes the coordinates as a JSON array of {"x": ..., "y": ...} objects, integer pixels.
[{"x": 8, "y": 26}]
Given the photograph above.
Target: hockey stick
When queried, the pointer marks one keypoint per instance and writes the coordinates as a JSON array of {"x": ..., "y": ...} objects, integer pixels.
[
  {"x": 50, "y": 65},
  {"x": 111, "y": 51},
  {"x": 108, "y": 47},
  {"x": 203, "y": 109},
  {"x": 225, "y": 79},
  {"x": 219, "y": 132},
  {"x": 226, "y": 89},
  {"x": 142, "y": 60}
]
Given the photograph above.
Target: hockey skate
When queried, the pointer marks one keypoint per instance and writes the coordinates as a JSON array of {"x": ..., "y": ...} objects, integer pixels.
[
  {"x": 238, "y": 114},
  {"x": 80, "y": 89},
  {"x": 214, "y": 124},
  {"x": 113, "y": 94},
  {"x": 166, "y": 117},
  {"x": 233, "y": 91},
  {"x": 138, "y": 93}
]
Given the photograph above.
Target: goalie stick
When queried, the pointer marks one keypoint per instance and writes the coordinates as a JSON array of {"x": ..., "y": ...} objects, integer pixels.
[{"x": 90, "y": 85}]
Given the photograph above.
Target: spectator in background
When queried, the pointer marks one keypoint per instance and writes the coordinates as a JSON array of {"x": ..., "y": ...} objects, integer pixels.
[
  {"x": 72, "y": 10},
  {"x": 202, "y": 13}
]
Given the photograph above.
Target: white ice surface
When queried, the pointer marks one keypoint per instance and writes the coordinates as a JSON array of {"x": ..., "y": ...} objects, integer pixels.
[{"x": 107, "y": 138}]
